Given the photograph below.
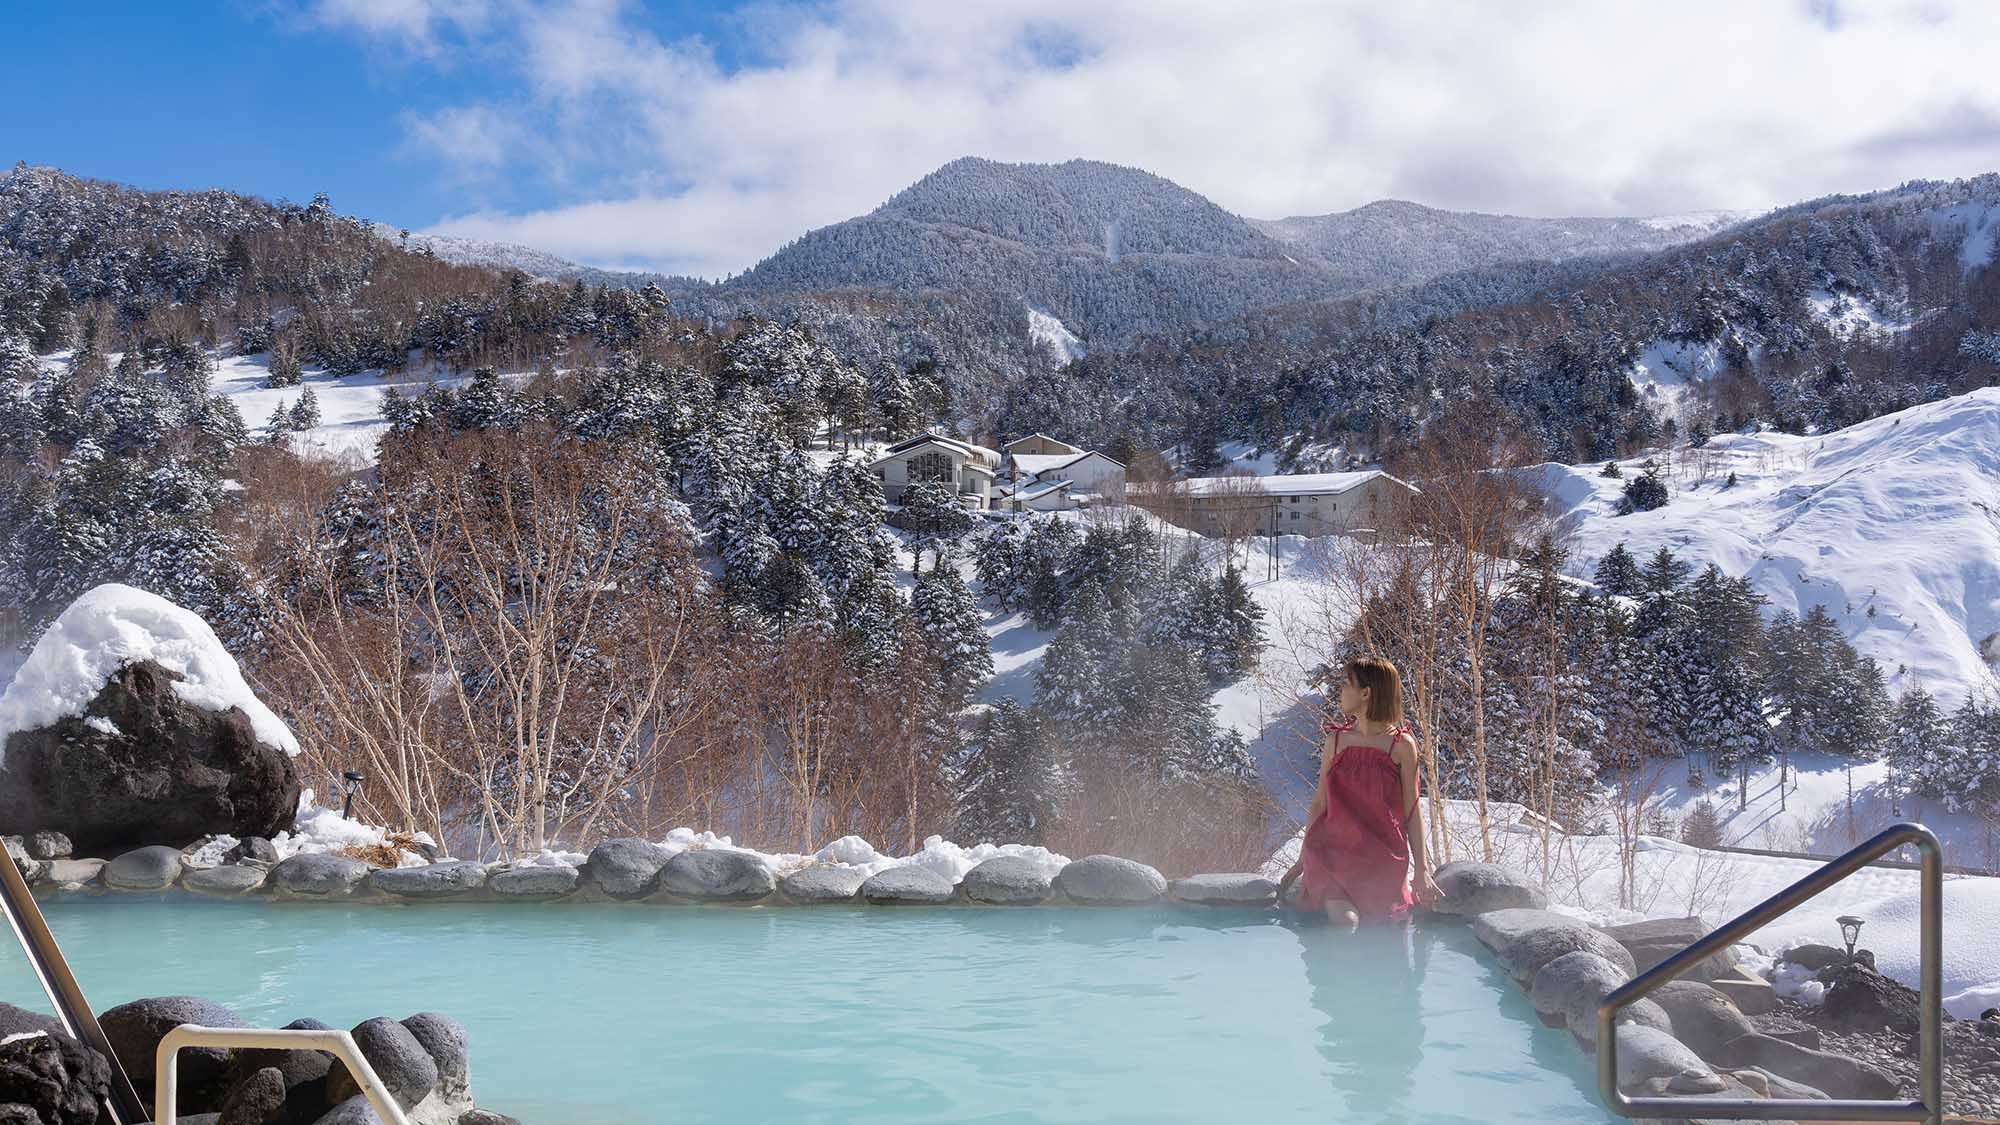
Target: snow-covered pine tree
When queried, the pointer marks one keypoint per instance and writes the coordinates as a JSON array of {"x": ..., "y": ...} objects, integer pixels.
[
  {"x": 284, "y": 369},
  {"x": 305, "y": 412},
  {"x": 936, "y": 520},
  {"x": 1617, "y": 573},
  {"x": 1010, "y": 781},
  {"x": 1919, "y": 746},
  {"x": 949, "y": 621},
  {"x": 1237, "y": 620},
  {"x": 1646, "y": 491}
]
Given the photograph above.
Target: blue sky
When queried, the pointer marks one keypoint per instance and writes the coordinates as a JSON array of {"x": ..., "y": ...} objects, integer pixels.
[{"x": 699, "y": 138}]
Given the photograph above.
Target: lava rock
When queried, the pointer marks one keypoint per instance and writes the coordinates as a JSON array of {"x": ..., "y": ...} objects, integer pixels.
[
  {"x": 318, "y": 875},
  {"x": 146, "y": 869},
  {"x": 1861, "y": 999},
  {"x": 398, "y": 1057},
  {"x": 255, "y": 848},
  {"x": 1469, "y": 888},
  {"x": 21, "y": 1021},
  {"x": 48, "y": 844},
  {"x": 1008, "y": 880},
  {"x": 1814, "y": 956},
  {"x": 1245, "y": 889},
  {"x": 450, "y": 879},
  {"x": 486, "y": 1117},
  {"x": 823, "y": 882},
  {"x": 54, "y": 1078},
  {"x": 1779, "y": 1026},
  {"x": 227, "y": 881},
  {"x": 135, "y": 1030},
  {"x": 1525, "y": 940},
  {"x": 908, "y": 886},
  {"x": 256, "y": 1100},
  {"x": 625, "y": 867},
  {"x": 1108, "y": 880},
  {"x": 717, "y": 875},
  {"x": 539, "y": 880},
  {"x": 304, "y": 1072},
  {"x": 153, "y": 767},
  {"x": 353, "y": 1111},
  {"x": 443, "y": 1039}
]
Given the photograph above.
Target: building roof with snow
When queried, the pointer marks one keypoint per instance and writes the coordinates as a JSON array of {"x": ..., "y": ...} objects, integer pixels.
[
  {"x": 1292, "y": 484},
  {"x": 1040, "y": 439},
  {"x": 978, "y": 454}
]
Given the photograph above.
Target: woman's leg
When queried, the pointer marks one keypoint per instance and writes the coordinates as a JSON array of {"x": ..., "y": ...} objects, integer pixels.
[{"x": 1341, "y": 913}]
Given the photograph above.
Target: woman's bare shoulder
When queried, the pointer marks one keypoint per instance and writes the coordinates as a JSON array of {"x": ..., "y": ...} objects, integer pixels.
[{"x": 1403, "y": 747}]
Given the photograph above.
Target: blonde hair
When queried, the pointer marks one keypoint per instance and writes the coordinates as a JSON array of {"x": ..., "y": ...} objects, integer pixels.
[{"x": 1384, "y": 685}]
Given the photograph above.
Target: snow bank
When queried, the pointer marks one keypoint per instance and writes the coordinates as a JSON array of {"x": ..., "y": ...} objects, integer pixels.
[
  {"x": 110, "y": 627},
  {"x": 1048, "y": 330},
  {"x": 318, "y": 829},
  {"x": 938, "y": 854},
  {"x": 1971, "y": 944}
]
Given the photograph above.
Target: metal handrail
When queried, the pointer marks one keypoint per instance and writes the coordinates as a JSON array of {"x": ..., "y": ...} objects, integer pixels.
[
  {"x": 167, "y": 1074},
  {"x": 46, "y": 957},
  {"x": 1930, "y": 1069}
]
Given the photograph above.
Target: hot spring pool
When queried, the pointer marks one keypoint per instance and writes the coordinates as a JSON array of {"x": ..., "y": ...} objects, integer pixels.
[{"x": 601, "y": 1014}]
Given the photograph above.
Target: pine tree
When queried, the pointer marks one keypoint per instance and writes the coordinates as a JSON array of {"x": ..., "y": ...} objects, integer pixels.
[
  {"x": 280, "y": 422},
  {"x": 936, "y": 519},
  {"x": 283, "y": 369},
  {"x": 1646, "y": 491},
  {"x": 305, "y": 413},
  {"x": 1011, "y": 782},
  {"x": 949, "y": 621},
  {"x": 1232, "y": 650},
  {"x": 1703, "y": 826},
  {"x": 1617, "y": 574}
]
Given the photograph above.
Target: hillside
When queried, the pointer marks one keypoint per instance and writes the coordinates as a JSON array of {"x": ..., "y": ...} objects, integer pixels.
[
  {"x": 1393, "y": 242},
  {"x": 1893, "y": 525}
]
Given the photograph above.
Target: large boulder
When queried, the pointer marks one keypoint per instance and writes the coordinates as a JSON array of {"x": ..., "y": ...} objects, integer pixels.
[
  {"x": 717, "y": 875},
  {"x": 908, "y": 886},
  {"x": 304, "y": 1073},
  {"x": 135, "y": 1030},
  {"x": 1246, "y": 889},
  {"x": 1525, "y": 940},
  {"x": 257, "y": 1098},
  {"x": 1108, "y": 880},
  {"x": 21, "y": 1021},
  {"x": 58, "y": 1080},
  {"x": 227, "y": 881},
  {"x": 1656, "y": 939},
  {"x": 823, "y": 882},
  {"x": 1861, "y": 999},
  {"x": 1838, "y": 1075},
  {"x": 443, "y": 1038},
  {"x": 535, "y": 880},
  {"x": 63, "y": 872},
  {"x": 318, "y": 875},
  {"x": 1567, "y": 991},
  {"x": 1704, "y": 1019},
  {"x": 399, "y": 1060},
  {"x": 1467, "y": 888},
  {"x": 451, "y": 879},
  {"x": 141, "y": 766},
  {"x": 48, "y": 844},
  {"x": 1647, "y": 1053},
  {"x": 625, "y": 866},
  {"x": 1008, "y": 880},
  {"x": 144, "y": 869}
]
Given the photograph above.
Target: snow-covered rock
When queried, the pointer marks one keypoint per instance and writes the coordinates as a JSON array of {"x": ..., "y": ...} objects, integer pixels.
[{"x": 110, "y": 627}]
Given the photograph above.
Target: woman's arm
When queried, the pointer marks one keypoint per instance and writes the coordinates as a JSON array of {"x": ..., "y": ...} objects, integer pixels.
[{"x": 1413, "y": 822}]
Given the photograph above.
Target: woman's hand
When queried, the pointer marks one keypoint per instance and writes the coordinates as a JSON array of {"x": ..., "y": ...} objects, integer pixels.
[
  {"x": 1285, "y": 884},
  {"x": 1426, "y": 890}
]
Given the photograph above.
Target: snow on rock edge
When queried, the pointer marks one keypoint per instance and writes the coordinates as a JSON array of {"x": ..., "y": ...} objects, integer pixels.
[{"x": 114, "y": 625}]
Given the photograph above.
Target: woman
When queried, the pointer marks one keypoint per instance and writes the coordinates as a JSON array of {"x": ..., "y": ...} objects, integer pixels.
[{"x": 1366, "y": 828}]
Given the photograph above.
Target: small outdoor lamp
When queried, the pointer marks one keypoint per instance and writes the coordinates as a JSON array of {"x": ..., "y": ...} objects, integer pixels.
[
  {"x": 1850, "y": 932},
  {"x": 351, "y": 782}
]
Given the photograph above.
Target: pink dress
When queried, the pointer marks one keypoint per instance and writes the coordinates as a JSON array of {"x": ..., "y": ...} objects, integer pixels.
[{"x": 1358, "y": 851}]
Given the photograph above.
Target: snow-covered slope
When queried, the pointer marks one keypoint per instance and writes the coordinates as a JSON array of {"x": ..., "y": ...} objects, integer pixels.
[{"x": 1893, "y": 525}]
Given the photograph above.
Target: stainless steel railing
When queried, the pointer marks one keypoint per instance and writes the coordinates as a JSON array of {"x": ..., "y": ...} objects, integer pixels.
[
  {"x": 1930, "y": 1073},
  {"x": 53, "y": 971}
]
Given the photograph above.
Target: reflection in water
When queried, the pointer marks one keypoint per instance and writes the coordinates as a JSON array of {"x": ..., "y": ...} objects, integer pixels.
[{"x": 1367, "y": 986}]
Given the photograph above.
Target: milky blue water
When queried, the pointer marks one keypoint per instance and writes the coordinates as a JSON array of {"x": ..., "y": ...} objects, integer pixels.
[{"x": 618, "y": 1014}]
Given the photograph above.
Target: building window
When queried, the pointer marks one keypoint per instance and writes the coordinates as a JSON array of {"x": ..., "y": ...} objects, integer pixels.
[
  {"x": 1292, "y": 499},
  {"x": 931, "y": 466},
  {"x": 1295, "y": 515}
]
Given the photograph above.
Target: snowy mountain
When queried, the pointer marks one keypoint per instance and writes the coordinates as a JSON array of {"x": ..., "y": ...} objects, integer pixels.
[
  {"x": 1114, "y": 251},
  {"x": 1396, "y": 242},
  {"x": 1893, "y": 525},
  {"x": 527, "y": 259}
]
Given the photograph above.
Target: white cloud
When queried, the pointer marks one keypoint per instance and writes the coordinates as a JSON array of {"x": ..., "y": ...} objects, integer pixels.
[{"x": 657, "y": 154}]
